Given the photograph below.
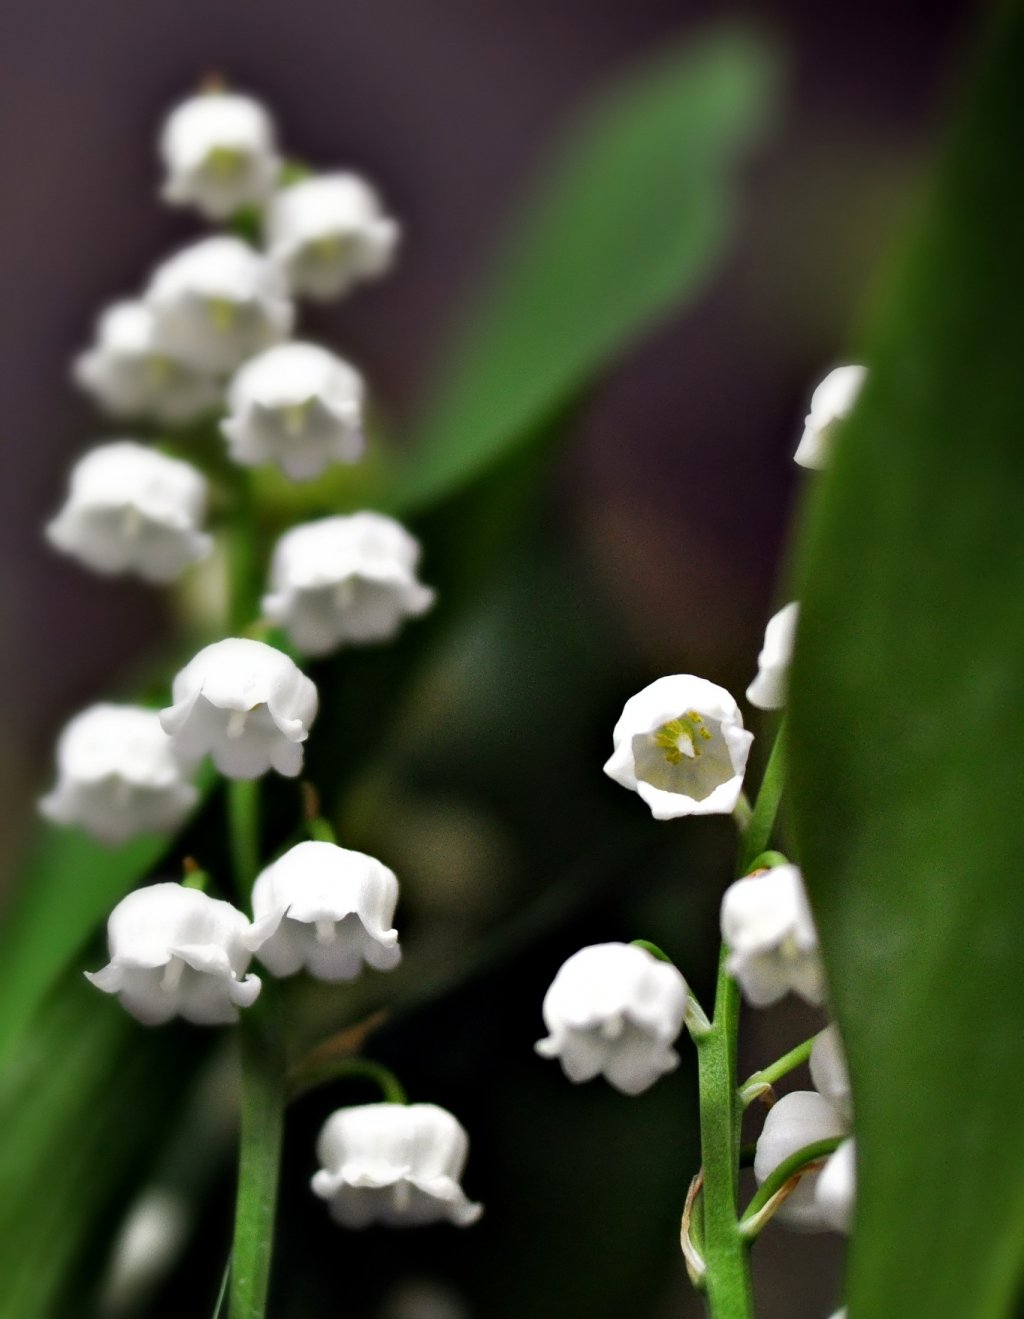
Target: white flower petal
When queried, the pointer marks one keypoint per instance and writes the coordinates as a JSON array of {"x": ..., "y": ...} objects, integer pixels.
[
  {"x": 770, "y": 688},
  {"x": 769, "y": 931},
  {"x": 799, "y": 1119},
  {"x": 831, "y": 403},
  {"x": 220, "y": 154}
]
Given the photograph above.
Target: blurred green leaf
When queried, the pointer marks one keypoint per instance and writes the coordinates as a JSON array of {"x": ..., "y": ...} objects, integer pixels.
[{"x": 908, "y": 736}]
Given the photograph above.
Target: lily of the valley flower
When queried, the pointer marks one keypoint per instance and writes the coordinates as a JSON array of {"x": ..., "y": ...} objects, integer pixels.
[
  {"x": 831, "y": 403},
  {"x": 175, "y": 951},
  {"x": 397, "y": 1164},
  {"x": 614, "y": 1009},
  {"x": 328, "y": 910},
  {"x": 219, "y": 152},
  {"x": 328, "y": 233},
  {"x": 799, "y": 1119},
  {"x": 118, "y": 776},
  {"x": 772, "y": 943},
  {"x": 343, "y": 581},
  {"x": 770, "y": 688},
  {"x": 836, "y": 1191},
  {"x": 246, "y": 704},
  {"x": 298, "y": 406},
  {"x": 829, "y": 1072},
  {"x": 681, "y": 745},
  {"x": 133, "y": 510},
  {"x": 216, "y": 303},
  {"x": 130, "y": 377}
]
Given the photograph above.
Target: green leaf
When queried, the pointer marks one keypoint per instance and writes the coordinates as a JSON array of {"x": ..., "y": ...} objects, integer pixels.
[
  {"x": 907, "y": 728},
  {"x": 635, "y": 215}
]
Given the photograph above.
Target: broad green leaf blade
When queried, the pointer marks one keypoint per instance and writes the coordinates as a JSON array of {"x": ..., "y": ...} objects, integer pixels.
[
  {"x": 634, "y": 218},
  {"x": 908, "y": 737}
]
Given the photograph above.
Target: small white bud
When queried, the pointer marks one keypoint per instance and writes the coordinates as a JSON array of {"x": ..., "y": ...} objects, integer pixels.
[
  {"x": 829, "y": 1073},
  {"x": 769, "y": 931},
  {"x": 770, "y": 688},
  {"x": 831, "y": 403},
  {"x": 799, "y": 1119},
  {"x": 133, "y": 510},
  {"x": 397, "y": 1164},
  {"x": 836, "y": 1191},
  {"x": 220, "y": 154}
]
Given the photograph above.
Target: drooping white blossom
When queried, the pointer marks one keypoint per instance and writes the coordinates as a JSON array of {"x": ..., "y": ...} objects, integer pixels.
[
  {"x": 220, "y": 153},
  {"x": 216, "y": 303},
  {"x": 770, "y": 688},
  {"x": 118, "y": 775},
  {"x": 836, "y": 1191},
  {"x": 132, "y": 510},
  {"x": 327, "y": 910},
  {"x": 772, "y": 943},
  {"x": 397, "y": 1164},
  {"x": 831, "y": 403},
  {"x": 130, "y": 377},
  {"x": 330, "y": 232},
  {"x": 245, "y": 704},
  {"x": 829, "y": 1072},
  {"x": 799, "y": 1119},
  {"x": 175, "y": 951},
  {"x": 681, "y": 745},
  {"x": 298, "y": 406},
  {"x": 615, "y": 1010},
  {"x": 345, "y": 581},
  {"x": 144, "y": 1251}
]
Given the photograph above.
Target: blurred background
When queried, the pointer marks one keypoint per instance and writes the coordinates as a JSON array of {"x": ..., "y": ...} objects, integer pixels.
[{"x": 660, "y": 548}]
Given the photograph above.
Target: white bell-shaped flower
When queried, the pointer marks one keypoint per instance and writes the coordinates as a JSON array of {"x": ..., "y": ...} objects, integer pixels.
[
  {"x": 328, "y": 233},
  {"x": 836, "y": 1191},
  {"x": 175, "y": 951},
  {"x": 326, "y": 910},
  {"x": 118, "y": 775},
  {"x": 220, "y": 154},
  {"x": 831, "y": 403},
  {"x": 397, "y": 1164},
  {"x": 246, "y": 704},
  {"x": 769, "y": 931},
  {"x": 133, "y": 510},
  {"x": 829, "y": 1072},
  {"x": 345, "y": 581},
  {"x": 770, "y": 688},
  {"x": 298, "y": 406},
  {"x": 616, "y": 1010},
  {"x": 799, "y": 1119},
  {"x": 130, "y": 377},
  {"x": 216, "y": 303},
  {"x": 681, "y": 745}
]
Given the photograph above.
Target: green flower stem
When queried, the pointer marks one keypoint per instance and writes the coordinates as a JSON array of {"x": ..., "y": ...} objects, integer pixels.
[
  {"x": 321, "y": 830},
  {"x": 752, "y": 1222},
  {"x": 757, "y": 1083},
  {"x": 758, "y": 832},
  {"x": 243, "y": 799},
  {"x": 305, "y": 1079},
  {"x": 244, "y": 567}
]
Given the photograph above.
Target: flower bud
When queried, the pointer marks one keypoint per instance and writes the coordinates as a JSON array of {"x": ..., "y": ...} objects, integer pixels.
[
  {"x": 220, "y": 154},
  {"x": 799, "y": 1119},
  {"x": 836, "y": 1191},
  {"x": 769, "y": 932},
  {"x": 828, "y": 1071},
  {"x": 769, "y": 689},
  {"x": 831, "y": 403}
]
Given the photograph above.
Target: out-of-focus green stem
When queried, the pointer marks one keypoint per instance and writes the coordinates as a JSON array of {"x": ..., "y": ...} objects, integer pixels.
[
  {"x": 757, "y": 834},
  {"x": 243, "y": 802}
]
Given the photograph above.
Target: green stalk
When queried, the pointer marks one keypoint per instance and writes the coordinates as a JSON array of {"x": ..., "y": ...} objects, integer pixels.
[
  {"x": 767, "y": 1076},
  {"x": 243, "y": 801}
]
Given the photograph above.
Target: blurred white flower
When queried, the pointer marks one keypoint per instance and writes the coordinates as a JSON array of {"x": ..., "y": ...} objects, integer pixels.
[
  {"x": 216, "y": 303},
  {"x": 219, "y": 151},
  {"x": 769, "y": 932},
  {"x": 345, "y": 580},
  {"x": 133, "y": 510},
  {"x": 680, "y": 744},
  {"x": 836, "y": 1190},
  {"x": 829, "y": 1073},
  {"x": 246, "y": 704},
  {"x": 770, "y": 688},
  {"x": 118, "y": 776},
  {"x": 799, "y": 1119},
  {"x": 328, "y": 233},
  {"x": 326, "y": 910},
  {"x": 298, "y": 406},
  {"x": 615, "y": 1009},
  {"x": 422, "y": 1298},
  {"x": 175, "y": 951},
  {"x": 129, "y": 377},
  {"x": 397, "y": 1164},
  {"x": 831, "y": 403},
  {"x": 145, "y": 1249}
]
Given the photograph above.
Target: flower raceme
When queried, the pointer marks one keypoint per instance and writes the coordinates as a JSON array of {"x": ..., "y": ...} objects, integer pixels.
[
  {"x": 118, "y": 775},
  {"x": 615, "y": 1010},
  {"x": 397, "y": 1164},
  {"x": 298, "y": 406},
  {"x": 132, "y": 510},
  {"x": 245, "y": 704},
  {"x": 769, "y": 932},
  {"x": 770, "y": 688},
  {"x": 327, "y": 910},
  {"x": 831, "y": 403},
  {"x": 345, "y": 581},
  {"x": 220, "y": 154},
  {"x": 681, "y": 745}
]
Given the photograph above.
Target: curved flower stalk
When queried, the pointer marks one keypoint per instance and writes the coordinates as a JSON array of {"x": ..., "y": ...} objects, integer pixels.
[
  {"x": 297, "y": 406},
  {"x": 326, "y": 910},
  {"x": 397, "y": 1164},
  {"x": 328, "y": 233},
  {"x": 118, "y": 775},
  {"x": 245, "y": 704},
  {"x": 769, "y": 932},
  {"x": 770, "y": 688},
  {"x": 831, "y": 403},
  {"x": 220, "y": 154},
  {"x": 175, "y": 951},
  {"x": 132, "y": 510},
  {"x": 345, "y": 581}
]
